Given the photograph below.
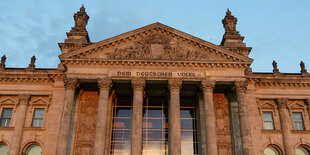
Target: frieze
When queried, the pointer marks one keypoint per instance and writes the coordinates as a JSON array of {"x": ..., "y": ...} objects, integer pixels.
[{"x": 156, "y": 74}]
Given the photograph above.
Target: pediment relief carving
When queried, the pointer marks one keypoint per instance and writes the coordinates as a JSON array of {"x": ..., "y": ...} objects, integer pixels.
[{"x": 157, "y": 47}]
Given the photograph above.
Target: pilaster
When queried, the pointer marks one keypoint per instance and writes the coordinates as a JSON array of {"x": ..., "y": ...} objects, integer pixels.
[
  {"x": 285, "y": 125},
  {"x": 20, "y": 122}
]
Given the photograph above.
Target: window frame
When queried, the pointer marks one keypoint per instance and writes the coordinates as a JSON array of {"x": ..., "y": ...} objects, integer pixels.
[
  {"x": 12, "y": 116},
  {"x": 302, "y": 121},
  {"x": 272, "y": 115},
  {"x": 32, "y": 116}
]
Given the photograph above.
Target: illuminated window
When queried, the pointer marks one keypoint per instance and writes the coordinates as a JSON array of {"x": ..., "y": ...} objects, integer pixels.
[
  {"x": 189, "y": 137},
  {"x": 271, "y": 151},
  {"x": 6, "y": 117},
  {"x": 268, "y": 120},
  {"x": 121, "y": 127},
  {"x": 155, "y": 126},
  {"x": 33, "y": 149},
  {"x": 37, "y": 117},
  {"x": 4, "y": 149},
  {"x": 302, "y": 151},
  {"x": 298, "y": 121}
]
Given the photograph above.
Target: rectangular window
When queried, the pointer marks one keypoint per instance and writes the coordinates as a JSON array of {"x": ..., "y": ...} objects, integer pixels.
[
  {"x": 268, "y": 120},
  {"x": 6, "y": 117},
  {"x": 38, "y": 117},
  {"x": 298, "y": 121}
]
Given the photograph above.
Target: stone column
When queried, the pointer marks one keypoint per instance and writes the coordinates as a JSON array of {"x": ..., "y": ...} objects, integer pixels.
[
  {"x": 241, "y": 87},
  {"x": 20, "y": 122},
  {"x": 174, "y": 122},
  {"x": 285, "y": 125},
  {"x": 137, "y": 116},
  {"x": 102, "y": 115},
  {"x": 208, "y": 87},
  {"x": 64, "y": 129}
]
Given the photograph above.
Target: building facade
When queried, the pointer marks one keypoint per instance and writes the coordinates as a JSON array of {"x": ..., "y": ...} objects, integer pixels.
[{"x": 153, "y": 91}]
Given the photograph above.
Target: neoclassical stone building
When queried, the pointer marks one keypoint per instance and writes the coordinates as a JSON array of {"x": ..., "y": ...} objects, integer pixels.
[{"x": 153, "y": 91}]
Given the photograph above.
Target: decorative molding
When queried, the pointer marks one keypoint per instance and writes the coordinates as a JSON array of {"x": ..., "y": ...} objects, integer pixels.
[
  {"x": 105, "y": 84},
  {"x": 71, "y": 83},
  {"x": 174, "y": 85},
  {"x": 261, "y": 105},
  {"x": 45, "y": 102},
  {"x": 138, "y": 84},
  {"x": 207, "y": 85},
  {"x": 202, "y": 64},
  {"x": 12, "y": 102}
]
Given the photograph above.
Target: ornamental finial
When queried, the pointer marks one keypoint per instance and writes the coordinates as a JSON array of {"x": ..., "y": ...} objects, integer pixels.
[
  {"x": 2, "y": 64},
  {"x": 275, "y": 67},
  {"x": 303, "y": 69},
  {"x": 32, "y": 66}
]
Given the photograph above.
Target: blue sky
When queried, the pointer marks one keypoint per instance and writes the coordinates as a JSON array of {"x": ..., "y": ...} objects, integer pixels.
[{"x": 276, "y": 29}]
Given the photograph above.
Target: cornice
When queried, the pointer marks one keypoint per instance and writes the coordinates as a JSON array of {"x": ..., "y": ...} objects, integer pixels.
[
  {"x": 114, "y": 41},
  {"x": 160, "y": 63},
  {"x": 43, "y": 76}
]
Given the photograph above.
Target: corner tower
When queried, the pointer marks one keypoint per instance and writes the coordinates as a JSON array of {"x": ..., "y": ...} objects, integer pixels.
[
  {"x": 78, "y": 36},
  {"x": 232, "y": 40}
]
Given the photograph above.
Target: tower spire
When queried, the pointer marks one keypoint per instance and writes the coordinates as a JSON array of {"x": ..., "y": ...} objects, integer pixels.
[{"x": 232, "y": 39}]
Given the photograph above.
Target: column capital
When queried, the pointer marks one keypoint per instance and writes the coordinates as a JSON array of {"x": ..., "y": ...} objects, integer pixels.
[
  {"x": 175, "y": 84},
  {"x": 308, "y": 101},
  {"x": 138, "y": 84},
  {"x": 232, "y": 96},
  {"x": 207, "y": 85},
  {"x": 23, "y": 98},
  {"x": 240, "y": 86},
  {"x": 282, "y": 102},
  {"x": 71, "y": 83},
  {"x": 105, "y": 84}
]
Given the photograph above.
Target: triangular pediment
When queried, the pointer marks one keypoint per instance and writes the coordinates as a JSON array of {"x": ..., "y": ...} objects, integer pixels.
[{"x": 156, "y": 42}]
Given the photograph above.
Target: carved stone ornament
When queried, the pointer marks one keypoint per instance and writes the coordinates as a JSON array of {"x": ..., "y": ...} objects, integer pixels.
[
  {"x": 282, "y": 102},
  {"x": 23, "y": 98},
  {"x": 157, "y": 46},
  {"x": 71, "y": 83},
  {"x": 303, "y": 69},
  {"x": 32, "y": 63},
  {"x": 207, "y": 85},
  {"x": 2, "y": 64},
  {"x": 174, "y": 84},
  {"x": 275, "y": 67},
  {"x": 241, "y": 86},
  {"x": 105, "y": 84},
  {"x": 138, "y": 84}
]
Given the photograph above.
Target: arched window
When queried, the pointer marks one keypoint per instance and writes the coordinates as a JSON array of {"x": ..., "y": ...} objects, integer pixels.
[
  {"x": 271, "y": 151},
  {"x": 302, "y": 151},
  {"x": 4, "y": 149},
  {"x": 33, "y": 149}
]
